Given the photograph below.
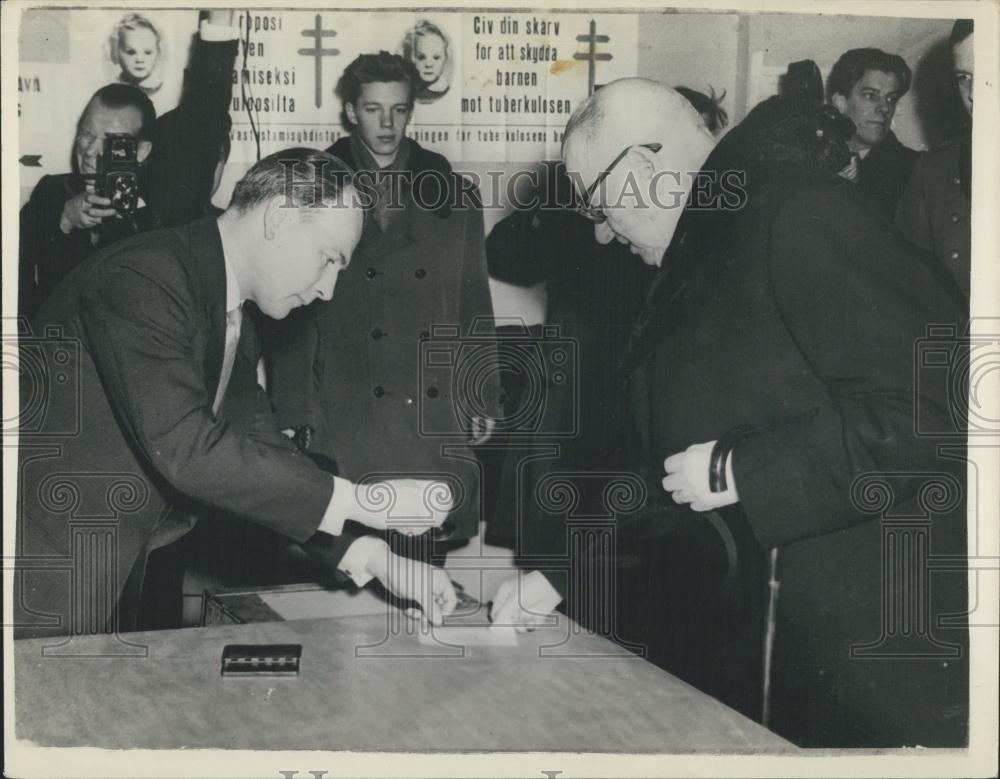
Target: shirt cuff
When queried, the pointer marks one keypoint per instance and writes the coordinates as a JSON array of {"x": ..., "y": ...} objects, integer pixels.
[
  {"x": 548, "y": 596},
  {"x": 339, "y": 508},
  {"x": 213, "y": 33},
  {"x": 356, "y": 558}
]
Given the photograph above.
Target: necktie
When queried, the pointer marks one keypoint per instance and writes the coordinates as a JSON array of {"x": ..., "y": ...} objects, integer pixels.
[
  {"x": 234, "y": 319},
  {"x": 853, "y": 168}
]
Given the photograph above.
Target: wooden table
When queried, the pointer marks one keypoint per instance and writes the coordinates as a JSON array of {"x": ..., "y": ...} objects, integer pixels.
[{"x": 367, "y": 684}]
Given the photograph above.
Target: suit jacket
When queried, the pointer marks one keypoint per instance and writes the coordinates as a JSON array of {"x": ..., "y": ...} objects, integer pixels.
[
  {"x": 117, "y": 425},
  {"x": 176, "y": 180},
  {"x": 355, "y": 368},
  {"x": 885, "y": 170},
  {"x": 935, "y": 210}
]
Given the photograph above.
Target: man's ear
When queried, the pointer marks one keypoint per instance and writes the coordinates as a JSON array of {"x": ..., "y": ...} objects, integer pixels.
[
  {"x": 603, "y": 233},
  {"x": 275, "y": 214},
  {"x": 838, "y": 101},
  {"x": 643, "y": 161},
  {"x": 352, "y": 114},
  {"x": 142, "y": 151}
]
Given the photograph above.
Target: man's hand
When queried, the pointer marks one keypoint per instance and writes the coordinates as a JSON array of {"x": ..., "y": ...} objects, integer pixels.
[
  {"x": 84, "y": 211},
  {"x": 687, "y": 479},
  {"x": 524, "y": 601},
  {"x": 409, "y": 579},
  {"x": 223, "y": 17},
  {"x": 482, "y": 430},
  {"x": 409, "y": 506}
]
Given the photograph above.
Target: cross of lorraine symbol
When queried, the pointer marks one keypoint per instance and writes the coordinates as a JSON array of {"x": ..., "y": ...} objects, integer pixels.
[
  {"x": 317, "y": 51},
  {"x": 591, "y": 55}
]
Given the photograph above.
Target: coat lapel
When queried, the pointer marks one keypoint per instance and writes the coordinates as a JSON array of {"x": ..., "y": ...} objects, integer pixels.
[
  {"x": 206, "y": 267},
  {"x": 376, "y": 243}
]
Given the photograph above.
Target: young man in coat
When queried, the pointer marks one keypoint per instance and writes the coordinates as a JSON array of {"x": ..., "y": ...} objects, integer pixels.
[
  {"x": 399, "y": 377},
  {"x": 772, "y": 383},
  {"x": 935, "y": 210},
  {"x": 139, "y": 397},
  {"x": 865, "y": 85},
  {"x": 65, "y": 220}
]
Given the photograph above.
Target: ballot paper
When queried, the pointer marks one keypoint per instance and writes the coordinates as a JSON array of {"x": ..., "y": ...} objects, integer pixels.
[
  {"x": 470, "y": 635},
  {"x": 465, "y": 603}
]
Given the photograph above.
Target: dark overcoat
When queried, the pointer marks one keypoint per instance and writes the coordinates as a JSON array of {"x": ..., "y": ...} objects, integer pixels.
[
  {"x": 389, "y": 372},
  {"x": 802, "y": 314}
]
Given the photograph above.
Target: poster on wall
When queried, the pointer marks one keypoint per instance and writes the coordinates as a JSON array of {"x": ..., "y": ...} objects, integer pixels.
[
  {"x": 66, "y": 55},
  {"x": 495, "y": 86}
]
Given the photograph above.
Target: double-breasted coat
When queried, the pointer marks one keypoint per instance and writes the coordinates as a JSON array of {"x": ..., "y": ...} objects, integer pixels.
[
  {"x": 391, "y": 370},
  {"x": 935, "y": 210}
]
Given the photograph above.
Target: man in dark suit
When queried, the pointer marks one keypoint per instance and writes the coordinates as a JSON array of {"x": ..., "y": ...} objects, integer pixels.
[
  {"x": 65, "y": 220},
  {"x": 150, "y": 403},
  {"x": 935, "y": 210},
  {"x": 865, "y": 85},
  {"x": 771, "y": 387}
]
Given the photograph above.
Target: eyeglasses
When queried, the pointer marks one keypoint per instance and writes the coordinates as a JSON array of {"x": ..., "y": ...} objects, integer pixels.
[{"x": 597, "y": 214}]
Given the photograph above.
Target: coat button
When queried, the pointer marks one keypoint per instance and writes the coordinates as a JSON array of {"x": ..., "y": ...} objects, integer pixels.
[
  {"x": 371, "y": 273},
  {"x": 953, "y": 255},
  {"x": 409, "y": 401},
  {"x": 378, "y": 391},
  {"x": 432, "y": 392},
  {"x": 956, "y": 180},
  {"x": 419, "y": 273},
  {"x": 954, "y": 217},
  {"x": 376, "y": 333}
]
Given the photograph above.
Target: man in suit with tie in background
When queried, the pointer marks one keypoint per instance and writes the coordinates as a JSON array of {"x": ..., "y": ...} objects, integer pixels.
[
  {"x": 865, "y": 85},
  {"x": 167, "y": 412}
]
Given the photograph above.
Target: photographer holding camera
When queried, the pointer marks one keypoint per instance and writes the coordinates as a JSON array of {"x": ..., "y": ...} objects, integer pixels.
[{"x": 119, "y": 186}]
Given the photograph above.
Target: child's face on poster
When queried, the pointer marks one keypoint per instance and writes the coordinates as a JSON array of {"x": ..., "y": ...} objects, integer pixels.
[
  {"x": 138, "y": 51},
  {"x": 429, "y": 57}
]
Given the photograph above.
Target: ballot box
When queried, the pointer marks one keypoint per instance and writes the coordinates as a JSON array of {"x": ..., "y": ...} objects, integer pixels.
[{"x": 243, "y": 605}]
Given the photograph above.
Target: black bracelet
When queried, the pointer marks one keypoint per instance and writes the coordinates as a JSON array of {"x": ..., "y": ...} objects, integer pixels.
[
  {"x": 717, "y": 481},
  {"x": 302, "y": 437}
]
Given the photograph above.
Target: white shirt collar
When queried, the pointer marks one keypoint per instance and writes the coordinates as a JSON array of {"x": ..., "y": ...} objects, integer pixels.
[{"x": 234, "y": 299}]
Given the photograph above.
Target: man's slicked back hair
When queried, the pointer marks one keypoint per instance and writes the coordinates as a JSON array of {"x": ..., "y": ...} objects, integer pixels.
[
  {"x": 853, "y": 64},
  {"x": 116, "y": 96},
  {"x": 382, "y": 67},
  {"x": 961, "y": 30},
  {"x": 309, "y": 178}
]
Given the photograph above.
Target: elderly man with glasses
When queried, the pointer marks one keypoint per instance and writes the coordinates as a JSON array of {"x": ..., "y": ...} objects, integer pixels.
[{"x": 769, "y": 380}]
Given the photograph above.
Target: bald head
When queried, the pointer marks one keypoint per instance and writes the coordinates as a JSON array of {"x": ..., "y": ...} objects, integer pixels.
[
  {"x": 632, "y": 111},
  {"x": 644, "y": 195}
]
